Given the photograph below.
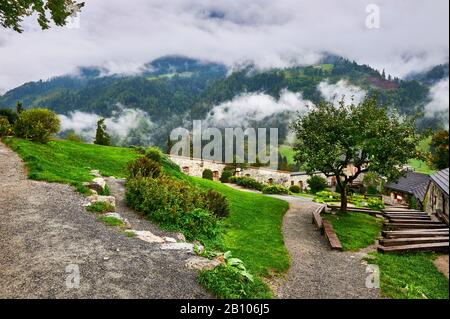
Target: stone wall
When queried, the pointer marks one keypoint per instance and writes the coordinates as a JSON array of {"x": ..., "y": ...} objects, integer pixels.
[{"x": 195, "y": 167}]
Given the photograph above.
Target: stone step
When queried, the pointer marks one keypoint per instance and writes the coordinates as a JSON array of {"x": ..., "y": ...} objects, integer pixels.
[
  {"x": 441, "y": 247},
  {"x": 413, "y": 240},
  {"x": 394, "y": 226}
]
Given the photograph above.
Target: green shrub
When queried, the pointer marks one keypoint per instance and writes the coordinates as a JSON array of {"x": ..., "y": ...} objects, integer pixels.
[
  {"x": 275, "y": 189},
  {"x": 375, "y": 203},
  {"x": 9, "y": 114},
  {"x": 327, "y": 196},
  {"x": 174, "y": 204},
  {"x": 37, "y": 124},
  {"x": 198, "y": 224},
  {"x": 226, "y": 283},
  {"x": 316, "y": 183},
  {"x": 144, "y": 167},
  {"x": 139, "y": 149},
  {"x": 226, "y": 175},
  {"x": 295, "y": 189},
  {"x": 73, "y": 137},
  {"x": 247, "y": 182},
  {"x": 154, "y": 154},
  {"x": 5, "y": 127},
  {"x": 357, "y": 200},
  {"x": 372, "y": 190},
  {"x": 207, "y": 174},
  {"x": 216, "y": 203}
]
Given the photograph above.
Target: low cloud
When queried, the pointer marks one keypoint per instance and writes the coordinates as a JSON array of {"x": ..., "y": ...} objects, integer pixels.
[
  {"x": 335, "y": 92},
  {"x": 438, "y": 107},
  {"x": 255, "y": 107},
  {"x": 121, "y": 36},
  {"x": 126, "y": 126}
]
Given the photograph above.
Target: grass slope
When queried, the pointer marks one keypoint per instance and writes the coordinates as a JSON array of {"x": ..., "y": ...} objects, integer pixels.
[
  {"x": 355, "y": 230},
  {"x": 253, "y": 229},
  {"x": 70, "y": 162},
  {"x": 410, "y": 276}
]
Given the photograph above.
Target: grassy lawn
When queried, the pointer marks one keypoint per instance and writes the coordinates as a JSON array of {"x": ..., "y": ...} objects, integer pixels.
[
  {"x": 422, "y": 166},
  {"x": 253, "y": 229},
  {"x": 410, "y": 276},
  {"x": 70, "y": 162},
  {"x": 355, "y": 230}
]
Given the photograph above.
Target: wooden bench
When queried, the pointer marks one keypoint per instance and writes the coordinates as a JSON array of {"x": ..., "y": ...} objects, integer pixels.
[
  {"x": 316, "y": 218},
  {"x": 416, "y": 247},
  {"x": 333, "y": 239}
]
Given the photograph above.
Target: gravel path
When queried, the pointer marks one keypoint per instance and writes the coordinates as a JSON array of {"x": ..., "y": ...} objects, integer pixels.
[
  {"x": 316, "y": 271},
  {"x": 44, "y": 228}
]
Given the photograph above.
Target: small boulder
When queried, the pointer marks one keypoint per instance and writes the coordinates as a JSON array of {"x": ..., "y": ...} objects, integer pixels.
[
  {"x": 148, "y": 236},
  {"x": 180, "y": 237},
  {"x": 169, "y": 240},
  {"x": 178, "y": 246},
  {"x": 99, "y": 198},
  {"x": 95, "y": 173},
  {"x": 201, "y": 263}
]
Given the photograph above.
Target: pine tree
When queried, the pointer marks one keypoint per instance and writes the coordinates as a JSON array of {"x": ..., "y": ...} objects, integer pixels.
[
  {"x": 101, "y": 137},
  {"x": 19, "y": 107}
]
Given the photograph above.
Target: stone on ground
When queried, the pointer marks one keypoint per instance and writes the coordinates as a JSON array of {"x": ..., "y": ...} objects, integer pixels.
[
  {"x": 201, "y": 263},
  {"x": 148, "y": 236}
]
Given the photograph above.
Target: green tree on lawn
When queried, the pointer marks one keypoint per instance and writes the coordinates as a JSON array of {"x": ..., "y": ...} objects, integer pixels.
[
  {"x": 439, "y": 156},
  {"x": 13, "y": 12},
  {"x": 101, "y": 137},
  {"x": 365, "y": 136}
]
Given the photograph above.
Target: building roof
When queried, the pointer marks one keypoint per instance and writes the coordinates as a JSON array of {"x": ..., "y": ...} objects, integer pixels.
[
  {"x": 441, "y": 180},
  {"x": 412, "y": 183}
]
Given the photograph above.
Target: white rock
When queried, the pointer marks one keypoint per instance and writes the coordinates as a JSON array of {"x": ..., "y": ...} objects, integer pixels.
[
  {"x": 148, "y": 236},
  {"x": 178, "y": 246},
  {"x": 169, "y": 240},
  {"x": 201, "y": 263},
  {"x": 100, "y": 182},
  {"x": 180, "y": 237},
  {"x": 105, "y": 199},
  {"x": 96, "y": 173}
]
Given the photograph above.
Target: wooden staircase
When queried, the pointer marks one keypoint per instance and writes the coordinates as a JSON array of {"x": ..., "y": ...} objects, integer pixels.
[{"x": 409, "y": 230}]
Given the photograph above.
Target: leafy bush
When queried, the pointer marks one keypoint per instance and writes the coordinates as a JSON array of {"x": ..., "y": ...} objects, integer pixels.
[
  {"x": 73, "y": 137},
  {"x": 327, "y": 196},
  {"x": 216, "y": 203},
  {"x": 247, "y": 182},
  {"x": 144, "y": 167},
  {"x": 37, "y": 124},
  {"x": 295, "y": 189},
  {"x": 198, "y": 224},
  {"x": 207, "y": 174},
  {"x": 372, "y": 190},
  {"x": 226, "y": 175},
  {"x": 9, "y": 114},
  {"x": 174, "y": 204},
  {"x": 375, "y": 203},
  {"x": 5, "y": 127},
  {"x": 316, "y": 183},
  {"x": 225, "y": 282},
  {"x": 154, "y": 154},
  {"x": 275, "y": 189},
  {"x": 357, "y": 200}
]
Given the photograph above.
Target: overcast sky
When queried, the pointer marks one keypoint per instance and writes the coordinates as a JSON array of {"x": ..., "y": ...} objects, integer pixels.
[{"x": 121, "y": 35}]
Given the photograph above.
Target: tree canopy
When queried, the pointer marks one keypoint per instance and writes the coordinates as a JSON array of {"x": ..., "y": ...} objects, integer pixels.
[
  {"x": 366, "y": 137},
  {"x": 439, "y": 156},
  {"x": 12, "y": 12}
]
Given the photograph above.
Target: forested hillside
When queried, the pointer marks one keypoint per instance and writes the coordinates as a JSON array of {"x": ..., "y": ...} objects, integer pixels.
[{"x": 175, "y": 89}]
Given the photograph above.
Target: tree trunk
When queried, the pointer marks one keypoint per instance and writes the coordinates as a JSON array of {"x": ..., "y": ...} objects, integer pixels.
[{"x": 344, "y": 198}]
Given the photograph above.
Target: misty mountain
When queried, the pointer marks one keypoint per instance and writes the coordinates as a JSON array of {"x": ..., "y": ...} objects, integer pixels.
[{"x": 174, "y": 90}]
